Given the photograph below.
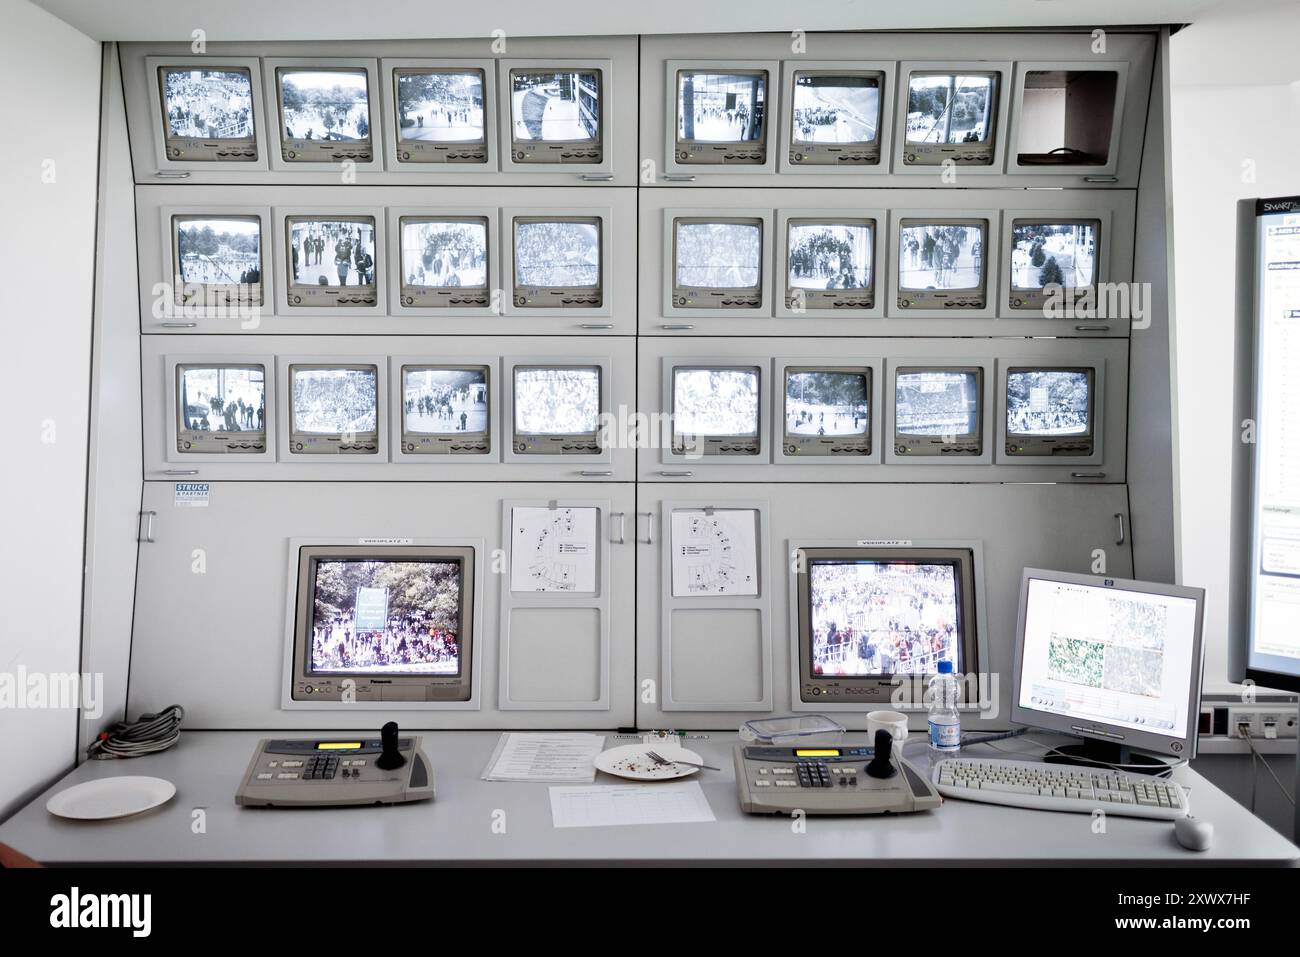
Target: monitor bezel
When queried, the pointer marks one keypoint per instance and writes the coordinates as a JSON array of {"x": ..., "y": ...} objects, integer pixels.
[
  {"x": 828, "y": 301},
  {"x": 530, "y": 448},
  {"x": 934, "y": 155},
  {"x": 550, "y": 300},
  {"x": 320, "y": 447},
  {"x": 443, "y": 298},
  {"x": 603, "y": 144},
  {"x": 820, "y": 450},
  {"x": 437, "y": 447},
  {"x": 668, "y": 271},
  {"x": 706, "y": 163},
  {"x": 1022, "y": 71},
  {"x": 974, "y": 301},
  {"x": 293, "y": 154},
  {"x": 1036, "y": 299},
  {"x": 331, "y": 300},
  {"x": 164, "y": 142},
  {"x": 421, "y": 156},
  {"x": 868, "y": 155},
  {"x": 1040, "y": 449},
  {"x": 174, "y": 434},
  {"x": 693, "y": 297},
  {"x": 717, "y": 449},
  {"x": 1146, "y": 741},
  {"x": 971, "y": 448},
  {"x": 217, "y": 297}
]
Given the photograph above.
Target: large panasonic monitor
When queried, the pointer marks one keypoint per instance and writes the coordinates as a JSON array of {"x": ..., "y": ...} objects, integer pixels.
[
  {"x": 221, "y": 408},
  {"x": 715, "y": 410},
  {"x": 1052, "y": 258},
  {"x": 324, "y": 114},
  {"x": 208, "y": 113},
  {"x": 835, "y": 117},
  {"x": 217, "y": 259},
  {"x": 827, "y": 411},
  {"x": 445, "y": 409},
  {"x": 1112, "y": 661},
  {"x": 871, "y": 614},
  {"x": 557, "y": 409},
  {"x": 951, "y": 116},
  {"x": 721, "y": 116},
  {"x": 943, "y": 264},
  {"x": 556, "y": 115},
  {"x": 331, "y": 260},
  {"x": 441, "y": 116},
  {"x": 717, "y": 262},
  {"x": 830, "y": 263},
  {"x": 1051, "y": 410},
  {"x": 333, "y": 408},
  {"x": 557, "y": 262},
  {"x": 444, "y": 261},
  {"x": 383, "y": 624},
  {"x": 938, "y": 410}
]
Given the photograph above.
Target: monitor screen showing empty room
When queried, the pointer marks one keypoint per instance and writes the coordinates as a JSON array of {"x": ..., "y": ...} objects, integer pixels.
[
  {"x": 389, "y": 623},
  {"x": 440, "y": 115},
  {"x": 830, "y": 264},
  {"x": 444, "y": 261},
  {"x": 557, "y": 410},
  {"x": 836, "y": 118},
  {"x": 942, "y": 264},
  {"x": 1066, "y": 117},
  {"x": 325, "y": 114},
  {"x": 1050, "y": 411},
  {"x": 718, "y": 263},
  {"x": 333, "y": 408},
  {"x": 555, "y": 116},
  {"x": 217, "y": 259},
  {"x": 331, "y": 260},
  {"x": 937, "y": 411},
  {"x": 221, "y": 408},
  {"x": 721, "y": 117},
  {"x": 827, "y": 411},
  {"x": 1052, "y": 258},
  {"x": 445, "y": 410},
  {"x": 951, "y": 116},
  {"x": 557, "y": 262},
  {"x": 208, "y": 114},
  {"x": 715, "y": 410}
]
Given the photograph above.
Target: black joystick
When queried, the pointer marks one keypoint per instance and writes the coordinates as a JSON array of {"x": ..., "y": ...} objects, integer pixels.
[
  {"x": 391, "y": 758},
  {"x": 880, "y": 766}
]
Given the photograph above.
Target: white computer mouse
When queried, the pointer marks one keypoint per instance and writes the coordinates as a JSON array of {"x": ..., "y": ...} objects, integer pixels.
[{"x": 1193, "y": 833}]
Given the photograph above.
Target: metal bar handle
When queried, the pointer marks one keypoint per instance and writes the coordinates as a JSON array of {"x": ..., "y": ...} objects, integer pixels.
[
  {"x": 1123, "y": 532},
  {"x": 1088, "y": 475},
  {"x": 1092, "y": 328},
  {"x": 622, "y": 528},
  {"x": 596, "y": 177},
  {"x": 146, "y": 535},
  {"x": 676, "y": 473},
  {"x": 649, "y": 526},
  {"x": 180, "y": 471},
  {"x": 596, "y": 473},
  {"x": 178, "y": 325},
  {"x": 678, "y": 177},
  {"x": 172, "y": 174},
  {"x": 595, "y": 325},
  {"x": 677, "y": 325}
]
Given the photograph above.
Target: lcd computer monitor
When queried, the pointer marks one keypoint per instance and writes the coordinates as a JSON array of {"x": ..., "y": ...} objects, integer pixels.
[
  {"x": 445, "y": 409},
  {"x": 721, "y": 117},
  {"x": 827, "y": 411},
  {"x": 951, "y": 116},
  {"x": 557, "y": 262},
  {"x": 377, "y": 624},
  {"x": 715, "y": 410},
  {"x": 1050, "y": 411},
  {"x": 217, "y": 259},
  {"x": 444, "y": 261},
  {"x": 208, "y": 113},
  {"x": 325, "y": 114},
  {"x": 1112, "y": 661},
  {"x": 938, "y": 410},
  {"x": 556, "y": 115},
  {"x": 869, "y": 615},
  {"x": 835, "y": 118},
  {"x": 830, "y": 263},
  {"x": 1052, "y": 258},
  {"x": 331, "y": 260},
  {"x": 943, "y": 264},
  {"x": 557, "y": 409},
  {"x": 440, "y": 115},
  {"x": 717, "y": 262},
  {"x": 221, "y": 409},
  {"x": 333, "y": 409}
]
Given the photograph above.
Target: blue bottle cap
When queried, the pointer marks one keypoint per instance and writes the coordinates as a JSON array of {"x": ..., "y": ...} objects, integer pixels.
[{"x": 945, "y": 667}]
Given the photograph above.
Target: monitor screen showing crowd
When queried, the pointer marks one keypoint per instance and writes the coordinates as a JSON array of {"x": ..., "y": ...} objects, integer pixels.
[
  {"x": 440, "y": 106},
  {"x": 1053, "y": 254},
  {"x": 829, "y": 255},
  {"x": 827, "y": 403},
  {"x": 334, "y": 401},
  {"x": 332, "y": 252},
  {"x": 325, "y": 104},
  {"x": 555, "y": 106},
  {"x": 445, "y": 253},
  {"x": 445, "y": 401},
  {"x": 225, "y": 399},
  {"x": 557, "y": 254},
  {"x": 941, "y": 256},
  {"x": 208, "y": 103},
  {"x": 1044, "y": 402},
  {"x": 714, "y": 107},
  {"x": 554, "y": 400},
  {"x": 836, "y": 109},
  {"x": 936, "y": 402},
  {"x": 715, "y": 401},
  {"x": 218, "y": 251},
  {"x": 718, "y": 255}
]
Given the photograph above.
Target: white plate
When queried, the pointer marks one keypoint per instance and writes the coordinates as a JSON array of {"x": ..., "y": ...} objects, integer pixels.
[
  {"x": 630, "y": 761},
  {"x": 110, "y": 797}
]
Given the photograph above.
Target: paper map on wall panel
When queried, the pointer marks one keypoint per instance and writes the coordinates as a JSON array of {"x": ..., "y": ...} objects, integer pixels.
[
  {"x": 553, "y": 549},
  {"x": 715, "y": 553}
]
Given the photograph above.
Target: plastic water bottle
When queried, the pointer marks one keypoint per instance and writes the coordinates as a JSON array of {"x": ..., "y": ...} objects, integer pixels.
[{"x": 945, "y": 719}]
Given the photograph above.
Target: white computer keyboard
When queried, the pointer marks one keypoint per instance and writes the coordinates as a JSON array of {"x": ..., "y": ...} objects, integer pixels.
[{"x": 1059, "y": 787}]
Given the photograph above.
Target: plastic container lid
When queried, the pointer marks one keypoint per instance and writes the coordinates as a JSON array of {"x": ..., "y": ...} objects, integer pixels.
[
  {"x": 945, "y": 667},
  {"x": 791, "y": 727}
]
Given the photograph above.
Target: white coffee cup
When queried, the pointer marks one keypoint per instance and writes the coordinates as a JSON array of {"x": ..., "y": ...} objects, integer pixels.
[{"x": 892, "y": 721}]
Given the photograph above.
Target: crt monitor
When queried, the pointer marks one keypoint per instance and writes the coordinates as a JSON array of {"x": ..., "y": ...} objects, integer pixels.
[
  {"x": 220, "y": 408},
  {"x": 445, "y": 409},
  {"x": 444, "y": 261},
  {"x": 331, "y": 260},
  {"x": 208, "y": 113},
  {"x": 1112, "y": 661},
  {"x": 217, "y": 259},
  {"x": 1052, "y": 258},
  {"x": 830, "y": 263},
  {"x": 717, "y": 262},
  {"x": 951, "y": 116},
  {"x": 715, "y": 410},
  {"x": 827, "y": 411},
  {"x": 440, "y": 115},
  {"x": 383, "y": 623},
  {"x": 557, "y": 262},
  {"x": 938, "y": 410},
  {"x": 942, "y": 264},
  {"x": 1050, "y": 410},
  {"x": 333, "y": 409},
  {"x": 871, "y": 614},
  {"x": 835, "y": 118},
  {"x": 324, "y": 114},
  {"x": 557, "y": 409},
  {"x": 555, "y": 115},
  {"x": 721, "y": 117}
]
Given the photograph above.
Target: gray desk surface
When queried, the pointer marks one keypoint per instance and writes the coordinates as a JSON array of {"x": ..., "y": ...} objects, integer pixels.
[{"x": 458, "y": 827}]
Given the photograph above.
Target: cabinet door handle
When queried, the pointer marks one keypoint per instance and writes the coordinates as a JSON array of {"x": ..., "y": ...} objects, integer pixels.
[
  {"x": 596, "y": 473},
  {"x": 178, "y": 325},
  {"x": 676, "y": 473},
  {"x": 172, "y": 174},
  {"x": 1123, "y": 532},
  {"x": 649, "y": 526},
  {"x": 596, "y": 177},
  {"x": 622, "y": 528},
  {"x": 1092, "y": 328},
  {"x": 180, "y": 471},
  {"x": 678, "y": 177},
  {"x": 1088, "y": 475},
  {"x": 676, "y": 326},
  {"x": 146, "y": 533}
]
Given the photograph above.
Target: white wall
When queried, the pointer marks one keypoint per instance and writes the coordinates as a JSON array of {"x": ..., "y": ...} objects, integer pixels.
[{"x": 51, "y": 76}]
